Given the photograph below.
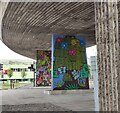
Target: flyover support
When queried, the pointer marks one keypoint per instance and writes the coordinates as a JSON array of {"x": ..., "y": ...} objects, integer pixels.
[{"x": 108, "y": 47}]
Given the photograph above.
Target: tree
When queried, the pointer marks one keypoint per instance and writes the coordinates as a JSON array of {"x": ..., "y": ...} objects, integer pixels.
[
  {"x": 23, "y": 73},
  {"x": 10, "y": 74}
]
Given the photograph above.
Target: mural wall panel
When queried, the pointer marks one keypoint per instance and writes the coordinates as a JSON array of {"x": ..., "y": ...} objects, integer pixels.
[
  {"x": 43, "y": 67},
  {"x": 70, "y": 69}
]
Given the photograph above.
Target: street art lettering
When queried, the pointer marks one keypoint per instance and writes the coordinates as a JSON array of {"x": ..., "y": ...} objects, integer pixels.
[
  {"x": 70, "y": 69},
  {"x": 43, "y": 67}
]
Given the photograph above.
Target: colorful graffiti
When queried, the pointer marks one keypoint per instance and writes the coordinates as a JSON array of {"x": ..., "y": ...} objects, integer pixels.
[
  {"x": 70, "y": 69},
  {"x": 43, "y": 67}
]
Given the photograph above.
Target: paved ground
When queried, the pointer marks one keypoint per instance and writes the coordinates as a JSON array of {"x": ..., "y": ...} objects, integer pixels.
[
  {"x": 30, "y": 99},
  {"x": 34, "y": 107},
  {"x": 26, "y": 86}
]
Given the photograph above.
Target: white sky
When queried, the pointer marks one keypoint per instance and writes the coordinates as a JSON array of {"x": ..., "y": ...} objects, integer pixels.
[
  {"x": 6, "y": 53},
  {"x": 91, "y": 51}
]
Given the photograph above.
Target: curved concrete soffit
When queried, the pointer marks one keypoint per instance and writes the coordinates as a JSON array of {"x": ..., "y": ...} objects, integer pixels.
[
  {"x": 3, "y": 7},
  {"x": 26, "y": 35}
]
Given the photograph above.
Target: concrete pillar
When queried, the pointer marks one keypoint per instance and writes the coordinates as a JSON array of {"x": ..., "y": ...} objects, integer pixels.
[
  {"x": 108, "y": 50},
  {"x": 43, "y": 68},
  {"x": 69, "y": 63}
]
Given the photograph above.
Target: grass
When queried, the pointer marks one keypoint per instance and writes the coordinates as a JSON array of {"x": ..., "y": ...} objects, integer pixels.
[{"x": 16, "y": 85}]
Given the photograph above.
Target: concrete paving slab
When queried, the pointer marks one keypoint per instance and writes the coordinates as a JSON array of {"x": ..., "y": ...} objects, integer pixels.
[
  {"x": 34, "y": 107},
  {"x": 76, "y": 102}
]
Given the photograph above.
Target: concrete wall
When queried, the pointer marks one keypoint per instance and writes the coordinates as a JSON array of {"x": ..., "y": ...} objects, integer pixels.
[{"x": 118, "y": 66}]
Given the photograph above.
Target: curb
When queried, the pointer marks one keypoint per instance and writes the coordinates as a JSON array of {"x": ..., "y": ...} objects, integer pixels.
[
  {"x": 59, "y": 92},
  {"x": 4, "y": 89}
]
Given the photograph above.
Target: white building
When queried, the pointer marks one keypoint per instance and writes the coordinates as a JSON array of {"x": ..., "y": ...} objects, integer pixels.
[
  {"x": 94, "y": 72},
  {"x": 93, "y": 65}
]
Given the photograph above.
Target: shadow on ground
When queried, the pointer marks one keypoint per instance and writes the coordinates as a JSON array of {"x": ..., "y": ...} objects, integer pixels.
[{"x": 34, "y": 107}]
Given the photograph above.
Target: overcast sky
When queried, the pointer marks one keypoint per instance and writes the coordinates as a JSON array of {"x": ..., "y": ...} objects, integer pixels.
[
  {"x": 91, "y": 51},
  {"x": 6, "y": 53}
]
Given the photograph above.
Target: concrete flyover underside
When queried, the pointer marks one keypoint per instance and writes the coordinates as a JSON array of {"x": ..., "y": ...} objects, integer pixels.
[{"x": 28, "y": 26}]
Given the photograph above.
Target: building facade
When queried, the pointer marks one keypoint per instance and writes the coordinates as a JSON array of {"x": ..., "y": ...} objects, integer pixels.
[
  {"x": 93, "y": 65},
  {"x": 94, "y": 73},
  {"x": 17, "y": 68}
]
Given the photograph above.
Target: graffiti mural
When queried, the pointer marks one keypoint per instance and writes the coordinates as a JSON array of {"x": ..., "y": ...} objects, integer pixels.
[
  {"x": 43, "y": 67},
  {"x": 70, "y": 69}
]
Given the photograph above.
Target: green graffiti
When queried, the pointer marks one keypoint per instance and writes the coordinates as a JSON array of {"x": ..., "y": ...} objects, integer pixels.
[
  {"x": 82, "y": 85},
  {"x": 71, "y": 57},
  {"x": 43, "y": 67},
  {"x": 67, "y": 77},
  {"x": 55, "y": 75},
  {"x": 58, "y": 84},
  {"x": 69, "y": 52},
  {"x": 71, "y": 87},
  {"x": 84, "y": 72}
]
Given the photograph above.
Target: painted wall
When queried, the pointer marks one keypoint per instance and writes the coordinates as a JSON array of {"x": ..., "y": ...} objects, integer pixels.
[
  {"x": 69, "y": 63},
  {"x": 43, "y": 67}
]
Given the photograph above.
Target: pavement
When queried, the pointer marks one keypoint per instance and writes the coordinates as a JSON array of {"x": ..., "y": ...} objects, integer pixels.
[
  {"x": 26, "y": 86},
  {"x": 34, "y": 99}
]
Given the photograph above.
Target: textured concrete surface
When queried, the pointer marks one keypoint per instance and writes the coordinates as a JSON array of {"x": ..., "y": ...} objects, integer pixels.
[
  {"x": 34, "y": 96},
  {"x": 3, "y": 6},
  {"x": 33, "y": 107},
  {"x": 28, "y": 26},
  {"x": 108, "y": 50}
]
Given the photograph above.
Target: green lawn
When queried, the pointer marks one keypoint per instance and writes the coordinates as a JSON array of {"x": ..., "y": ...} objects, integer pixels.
[{"x": 16, "y": 85}]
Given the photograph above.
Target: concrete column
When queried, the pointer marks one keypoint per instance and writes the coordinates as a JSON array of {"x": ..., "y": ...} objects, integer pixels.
[
  {"x": 69, "y": 63},
  {"x": 118, "y": 68},
  {"x": 108, "y": 48}
]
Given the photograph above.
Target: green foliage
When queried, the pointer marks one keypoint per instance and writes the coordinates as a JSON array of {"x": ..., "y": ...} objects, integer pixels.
[
  {"x": 23, "y": 73},
  {"x": 71, "y": 86},
  {"x": 10, "y": 73},
  {"x": 57, "y": 46},
  {"x": 60, "y": 62},
  {"x": 70, "y": 61},
  {"x": 58, "y": 84},
  {"x": 67, "y": 77},
  {"x": 85, "y": 70},
  {"x": 42, "y": 62},
  {"x": 55, "y": 75},
  {"x": 82, "y": 85}
]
